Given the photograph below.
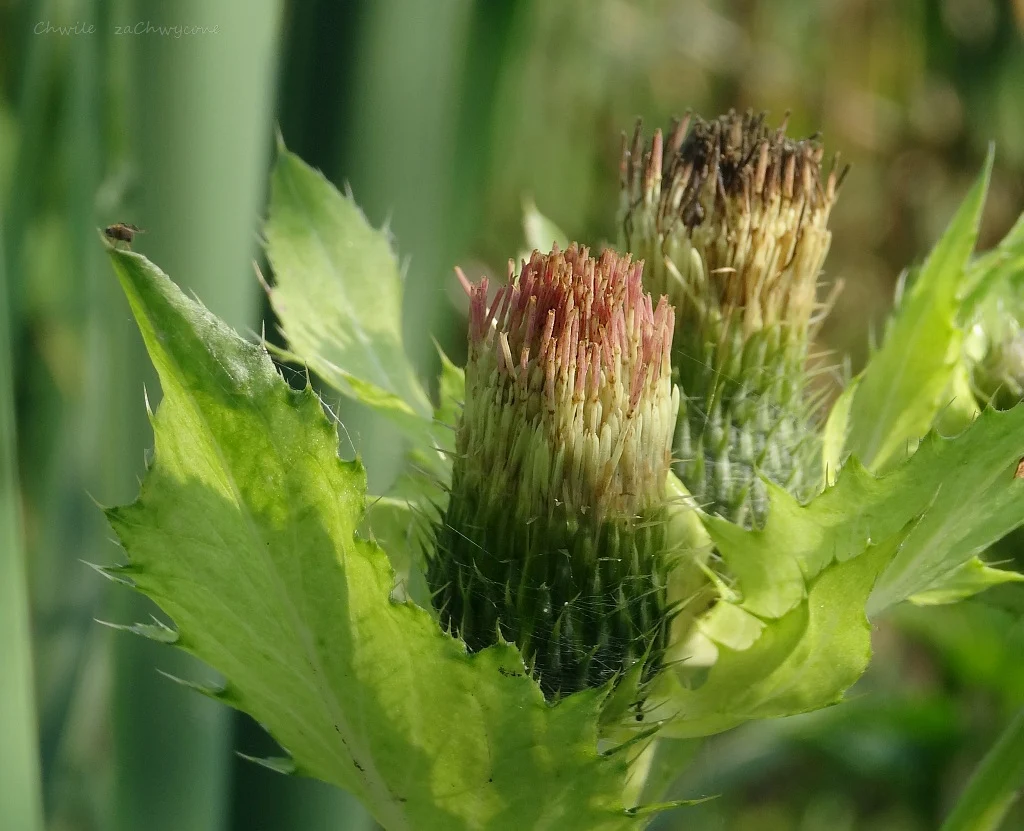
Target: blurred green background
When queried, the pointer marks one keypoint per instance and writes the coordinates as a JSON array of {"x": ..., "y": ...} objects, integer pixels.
[{"x": 442, "y": 115}]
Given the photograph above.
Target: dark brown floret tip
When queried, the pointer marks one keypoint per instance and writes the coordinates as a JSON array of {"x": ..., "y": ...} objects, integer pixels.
[{"x": 738, "y": 156}]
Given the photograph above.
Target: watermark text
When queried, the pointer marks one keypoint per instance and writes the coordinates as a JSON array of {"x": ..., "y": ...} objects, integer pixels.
[{"x": 142, "y": 27}]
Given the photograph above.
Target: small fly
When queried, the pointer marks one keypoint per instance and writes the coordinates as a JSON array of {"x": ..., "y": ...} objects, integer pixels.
[{"x": 122, "y": 232}]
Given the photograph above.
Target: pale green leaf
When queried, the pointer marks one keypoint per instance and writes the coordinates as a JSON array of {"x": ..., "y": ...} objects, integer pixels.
[
  {"x": 961, "y": 404},
  {"x": 730, "y": 625},
  {"x": 401, "y": 526},
  {"x": 338, "y": 294},
  {"x": 541, "y": 233},
  {"x": 789, "y": 632},
  {"x": 245, "y": 534},
  {"x": 401, "y": 521},
  {"x": 802, "y": 661},
  {"x": 964, "y": 490},
  {"x": 452, "y": 394},
  {"x": 965, "y": 580},
  {"x": 837, "y": 428},
  {"x": 670, "y": 757},
  {"x": 689, "y": 588},
  {"x": 902, "y": 388},
  {"x": 392, "y": 523},
  {"x": 429, "y": 470},
  {"x": 989, "y": 273}
]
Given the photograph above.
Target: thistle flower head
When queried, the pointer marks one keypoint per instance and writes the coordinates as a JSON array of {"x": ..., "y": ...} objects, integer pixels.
[
  {"x": 739, "y": 212},
  {"x": 569, "y": 395},
  {"x": 553, "y": 535},
  {"x": 732, "y": 219}
]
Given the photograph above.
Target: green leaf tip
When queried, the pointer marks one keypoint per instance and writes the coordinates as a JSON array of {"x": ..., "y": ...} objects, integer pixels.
[
  {"x": 245, "y": 534},
  {"x": 660, "y": 807},
  {"x": 279, "y": 143},
  {"x": 539, "y": 231},
  {"x": 903, "y": 388},
  {"x": 116, "y": 574},
  {"x": 963, "y": 581},
  {"x": 221, "y": 692}
]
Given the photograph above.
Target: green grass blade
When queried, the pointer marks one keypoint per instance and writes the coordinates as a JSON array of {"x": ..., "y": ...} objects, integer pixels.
[
  {"x": 30, "y": 159},
  {"x": 20, "y": 794},
  {"x": 995, "y": 785},
  {"x": 408, "y": 86}
]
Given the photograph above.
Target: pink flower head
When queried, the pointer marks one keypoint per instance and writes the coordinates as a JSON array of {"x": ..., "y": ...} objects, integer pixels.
[{"x": 568, "y": 384}]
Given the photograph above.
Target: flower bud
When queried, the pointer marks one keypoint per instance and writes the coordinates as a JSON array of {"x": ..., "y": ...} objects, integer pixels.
[
  {"x": 994, "y": 355},
  {"x": 553, "y": 537},
  {"x": 731, "y": 219}
]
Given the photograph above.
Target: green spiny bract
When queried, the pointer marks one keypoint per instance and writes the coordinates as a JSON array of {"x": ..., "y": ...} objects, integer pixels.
[
  {"x": 732, "y": 222},
  {"x": 554, "y": 535}
]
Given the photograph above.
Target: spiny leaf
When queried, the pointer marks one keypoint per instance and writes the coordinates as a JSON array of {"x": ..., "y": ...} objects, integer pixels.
[
  {"x": 965, "y": 580},
  {"x": 658, "y": 807},
  {"x": 790, "y": 632},
  {"x": 989, "y": 273},
  {"x": 338, "y": 294},
  {"x": 963, "y": 488},
  {"x": 244, "y": 533},
  {"x": 156, "y": 631},
  {"x": 801, "y": 661},
  {"x": 218, "y": 692},
  {"x": 901, "y": 389},
  {"x": 978, "y": 500},
  {"x": 115, "y": 574}
]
